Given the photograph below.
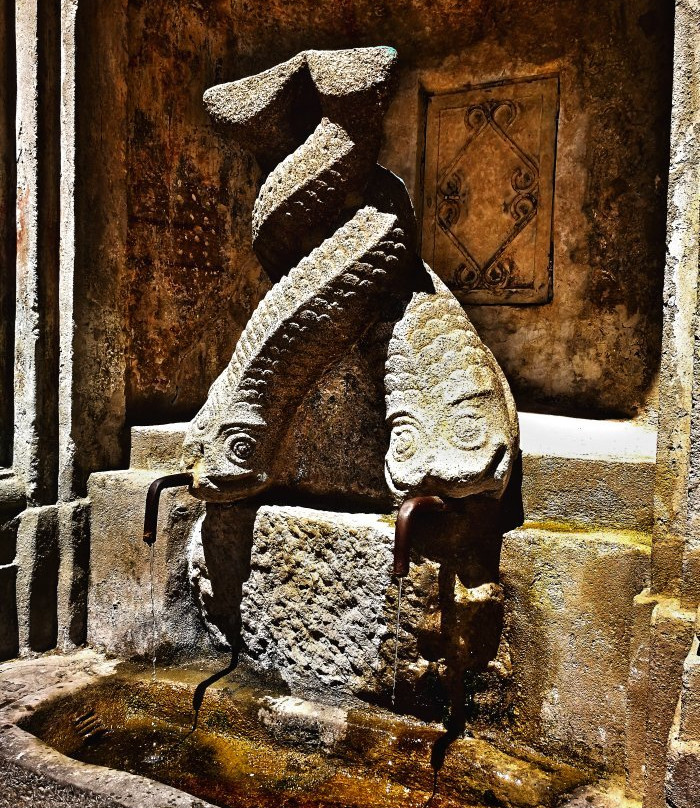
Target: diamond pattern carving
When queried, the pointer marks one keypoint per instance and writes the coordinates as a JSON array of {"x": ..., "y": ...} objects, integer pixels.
[{"x": 489, "y": 182}]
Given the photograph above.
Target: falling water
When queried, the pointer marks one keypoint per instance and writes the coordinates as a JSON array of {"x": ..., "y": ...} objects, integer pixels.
[
  {"x": 153, "y": 615},
  {"x": 396, "y": 642}
]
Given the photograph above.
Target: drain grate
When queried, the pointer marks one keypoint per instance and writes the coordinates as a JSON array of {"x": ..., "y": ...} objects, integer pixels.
[{"x": 89, "y": 725}]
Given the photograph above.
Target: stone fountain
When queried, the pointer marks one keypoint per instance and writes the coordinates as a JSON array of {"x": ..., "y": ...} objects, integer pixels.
[{"x": 339, "y": 584}]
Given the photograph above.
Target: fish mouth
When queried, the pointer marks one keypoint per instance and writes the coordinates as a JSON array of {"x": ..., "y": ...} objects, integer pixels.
[
  {"x": 220, "y": 488},
  {"x": 485, "y": 481}
]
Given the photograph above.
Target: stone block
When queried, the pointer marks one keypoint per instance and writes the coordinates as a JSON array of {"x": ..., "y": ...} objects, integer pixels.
[
  {"x": 569, "y": 616},
  {"x": 9, "y": 629},
  {"x": 73, "y": 572},
  {"x": 683, "y": 768},
  {"x": 670, "y": 637},
  {"x": 615, "y": 458},
  {"x": 318, "y": 604},
  {"x": 689, "y": 726},
  {"x": 638, "y": 694},
  {"x": 119, "y": 609},
  {"x": 37, "y": 578},
  {"x": 157, "y": 447}
]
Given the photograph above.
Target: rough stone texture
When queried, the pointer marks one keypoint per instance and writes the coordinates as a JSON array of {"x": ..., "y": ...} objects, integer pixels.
[
  {"x": 676, "y": 489},
  {"x": 616, "y": 494},
  {"x": 73, "y": 531},
  {"x": 454, "y": 427},
  {"x": 90, "y": 82},
  {"x": 318, "y": 606},
  {"x": 683, "y": 772},
  {"x": 37, "y": 578},
  {"x": 453, "y": 423},
  {"x": 670, "y": 636},
  {"x": 9, "y": 628},
  {"x": 34, "y": 456},
  {"x": 8, "y": 236},
  {"x": 119, "y": 614},
  {"x": 569, "y": 612},
  {"x": 638, "y": 694}
]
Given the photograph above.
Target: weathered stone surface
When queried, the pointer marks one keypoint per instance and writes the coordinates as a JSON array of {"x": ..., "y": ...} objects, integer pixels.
[
  {"x": 569, "y": 613},
  {"x": 670, "y": 636},
  {"x": 638, "y": 694},
  {"x": 73, "y": 530},
  {"x": 9, "y": 629},
  {"x": 683, "y": 769},
  {"x": 615, "y": 458},
  {"x": 157, "y": 447},
  {"x": 318, "y": 606},
  {"x": 119, "y": 609},
  {"x": 37, "y": 578},
  {"x": 454, "y": 427}
]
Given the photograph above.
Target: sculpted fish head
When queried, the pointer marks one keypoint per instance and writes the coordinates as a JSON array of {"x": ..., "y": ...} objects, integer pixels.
[
  {"x": 454, "y": 429},
  {"x": 225, "y": 451}
]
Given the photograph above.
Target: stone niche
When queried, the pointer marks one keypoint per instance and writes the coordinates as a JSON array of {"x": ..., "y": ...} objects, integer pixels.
[
  {"x": 579, "y": 330},
  {"x": 574, "y": 322}
]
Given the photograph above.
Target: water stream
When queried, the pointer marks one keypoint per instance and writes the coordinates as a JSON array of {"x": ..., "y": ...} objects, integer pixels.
[
  {"x": 153, "y": 613},
  {"x": 396, "y": 642}
]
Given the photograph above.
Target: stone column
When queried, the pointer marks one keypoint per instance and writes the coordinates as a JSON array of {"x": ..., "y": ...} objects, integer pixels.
[
  {"x": 69, "y": 370},
  {"x": 669, "y": 606}
]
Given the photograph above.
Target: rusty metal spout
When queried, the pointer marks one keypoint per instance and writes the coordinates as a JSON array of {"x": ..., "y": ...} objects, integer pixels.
[
  {"x": 402, "y": 536},
  {"x": 150, "y": 520}
]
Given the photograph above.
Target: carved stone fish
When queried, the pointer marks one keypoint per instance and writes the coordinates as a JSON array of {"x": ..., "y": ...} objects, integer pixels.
[
  {"x": 305, "y": 323},
  {"x": 314, "y": 123},
  {"x": 454, "y": 426}
]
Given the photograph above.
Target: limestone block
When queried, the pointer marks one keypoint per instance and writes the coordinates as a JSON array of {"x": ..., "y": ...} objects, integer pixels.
[
  {"x": 73, "y": 572},
  {"x": 9, "y": 630},
  {"x": 670, "y": 636},
  {"x": 9, "y": 633},
  {"x": 157, "y": 447},
  {"x": 37, "y": 578},
  {"x": 615, "y": 458},
  {"x": 683, "y": 771},
  {"x": 638, "y": 693},
  {"x": 318, "y": 604},
  {"x": 569, "y": 613},
  {"x": 689, "y": 726},
  {"x": 119, "y": 598}
]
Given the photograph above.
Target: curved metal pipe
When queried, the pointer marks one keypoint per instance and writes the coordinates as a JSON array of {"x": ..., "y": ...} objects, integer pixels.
[
  {"x": 150, "y": 519},
  {"x": 402, "y": 535}
]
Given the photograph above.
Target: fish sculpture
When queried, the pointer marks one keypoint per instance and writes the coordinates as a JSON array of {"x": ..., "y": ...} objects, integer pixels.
[
  {"x": 329, "y": 201},
  {"x": 454, "y": 426},
  {"x": 337, "y": 234}
]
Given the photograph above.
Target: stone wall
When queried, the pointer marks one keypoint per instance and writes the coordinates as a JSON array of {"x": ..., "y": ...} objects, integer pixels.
[{"x": 594, "y": 348}]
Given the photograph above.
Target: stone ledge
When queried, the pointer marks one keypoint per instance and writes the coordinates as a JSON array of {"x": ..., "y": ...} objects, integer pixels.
[{"x": 614, "y": 458}]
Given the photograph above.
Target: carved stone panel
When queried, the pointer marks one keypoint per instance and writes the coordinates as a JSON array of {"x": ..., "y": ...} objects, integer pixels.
[{"x": 489, "y": 188}]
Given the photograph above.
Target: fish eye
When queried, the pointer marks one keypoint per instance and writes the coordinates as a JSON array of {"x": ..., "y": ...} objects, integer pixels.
[
  {"x": 239, "y": 447},
  {"x": 404, "y": 441}
]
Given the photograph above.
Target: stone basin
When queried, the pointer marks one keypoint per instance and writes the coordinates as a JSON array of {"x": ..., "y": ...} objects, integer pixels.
[{"x": 253, "y": 746}]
